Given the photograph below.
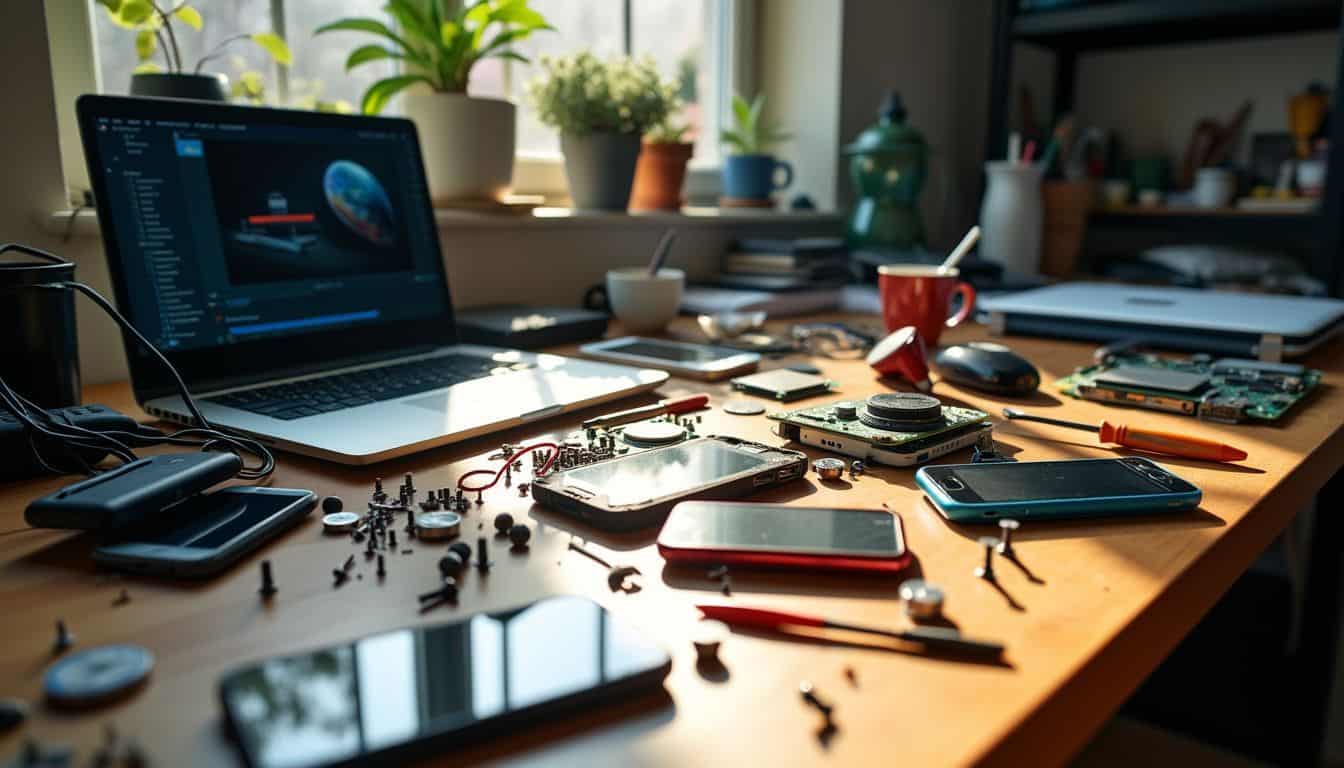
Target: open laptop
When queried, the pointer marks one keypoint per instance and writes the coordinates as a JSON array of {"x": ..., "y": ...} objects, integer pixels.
[
  {"x": 288, "y": 264},
  {"x": 1264, "y": 326}
]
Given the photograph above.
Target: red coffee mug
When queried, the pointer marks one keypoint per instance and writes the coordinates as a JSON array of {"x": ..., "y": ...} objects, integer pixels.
[{"x": 914, "y": 294}]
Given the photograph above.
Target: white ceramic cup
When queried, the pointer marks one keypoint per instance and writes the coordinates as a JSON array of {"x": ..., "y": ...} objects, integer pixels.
[
  {"x": 644, "y": 303},
  {"x": 1214, "y": 187}
]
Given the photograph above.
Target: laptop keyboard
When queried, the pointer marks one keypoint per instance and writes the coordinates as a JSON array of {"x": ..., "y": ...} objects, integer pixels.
[{"x": 347, "y": 390}]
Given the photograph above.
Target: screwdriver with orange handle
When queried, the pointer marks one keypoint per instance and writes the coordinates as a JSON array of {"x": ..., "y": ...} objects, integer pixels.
[{"x": 1151, "y": 440}]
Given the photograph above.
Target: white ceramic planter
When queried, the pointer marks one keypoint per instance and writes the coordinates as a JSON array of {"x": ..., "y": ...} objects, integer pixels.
[{"x": 467, "y": 142}]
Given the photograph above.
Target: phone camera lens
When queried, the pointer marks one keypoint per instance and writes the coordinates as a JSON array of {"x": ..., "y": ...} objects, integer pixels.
[{"x": 1160, "y": 477}]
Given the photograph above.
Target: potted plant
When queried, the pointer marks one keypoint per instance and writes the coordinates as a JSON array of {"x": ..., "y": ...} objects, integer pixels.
[
  {"x": 467, "y": 141},
  {"x": 601, "y": 110},
  {"x": 153, "y": 23},
  {"x": 661, "y": 169},
  {"x": 750, "y": 172}
]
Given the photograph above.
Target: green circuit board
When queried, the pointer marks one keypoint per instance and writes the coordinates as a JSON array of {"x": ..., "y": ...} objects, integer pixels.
[
  {"x": 1227, "y": 390},
  {"x": 823, "y": 417}
]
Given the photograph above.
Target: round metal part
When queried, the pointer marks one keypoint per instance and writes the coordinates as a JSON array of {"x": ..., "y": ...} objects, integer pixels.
[
  {"x": 847, "y": 411},
  {"x": 653, "y": 432},
  {"x": 707, "y": 637},
  {"x": 829, "y": 469},
  {"x": 438, "y": 525},
  {"x": 743, "y": 408},
  {"x": 902, "y": 412},
  {"x": 97, "y": 676},
  {"x": 340, "y": 522},
  {"x": 922, "y": 600}
]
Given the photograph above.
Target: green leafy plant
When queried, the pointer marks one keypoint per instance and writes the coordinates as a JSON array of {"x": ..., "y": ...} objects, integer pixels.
[
  {"x": 580, "y": 94},
  {"x": 436, "y": 47},
  {"x": 749, "y": 135},
  {"x": 154, "y": 32}
]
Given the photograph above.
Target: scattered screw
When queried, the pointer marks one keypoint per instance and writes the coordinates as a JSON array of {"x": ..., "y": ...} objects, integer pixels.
[
  {"x": 986, "y": 571},
  {"x": 123, "y": 598},
  {"x": 482, "y": 556},
  {"x": 378, "y": 489},
  {"x": 332, "y": 504},
  {"x": 809, "y": 694},
  {"x": 409, "y": 483},
  {"x": 523, "y": 488},
  {"x": 382, "y": 571},
  {"x": 448, "y": 591},
  {"x": 480, "y": 498},
  {"x": 268, "y": 587},
  {"x": 508, "y": 475},
  {"x": 410, "y": 523},
  {"x": 64, "y": 639},
  {"x": 1006, "y": 528},
  {"x": 856, "y": 468},
  {"x": 340, "y": 576},
  {"x": 391, "y": 539},
  {"x": 503, "y": 522},
  {"x": 519, "y": 534},
  {"x": 852, "y": 676}
]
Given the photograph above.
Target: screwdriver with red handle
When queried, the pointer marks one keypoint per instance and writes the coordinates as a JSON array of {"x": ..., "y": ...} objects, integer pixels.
[
  {"x": 674, "y": 405},
  {"x": 1151, "y": 440},
  {"x": 933, "y": 638}
]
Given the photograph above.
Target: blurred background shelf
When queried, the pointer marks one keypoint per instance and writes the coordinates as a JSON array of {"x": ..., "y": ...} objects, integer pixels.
[{"x": 1130, "y": 23}]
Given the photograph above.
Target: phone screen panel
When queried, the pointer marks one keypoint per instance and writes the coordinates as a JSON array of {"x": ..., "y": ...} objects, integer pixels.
[
  {"x": 1041, "y": 480},
  {"x": 784, "y": 529},
  {"x": 673, "y": 353},
  {"x": 670, "y": 471},
  {"x": 411, "y": 685}
]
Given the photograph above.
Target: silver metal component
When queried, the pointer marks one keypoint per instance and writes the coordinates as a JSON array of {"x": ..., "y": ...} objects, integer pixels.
[
  {"x": 438, "y": 525},
  {"x": 340, "y": 522},
  {"x": 829, "y": 468},
  {"x": 923, "y": 601},
  {"x": 1006, "y": 528},
  {"x": 743, "y": 408}
]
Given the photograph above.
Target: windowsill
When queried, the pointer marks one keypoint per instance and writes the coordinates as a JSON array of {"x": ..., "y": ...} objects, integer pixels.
[{"x": 86, "y": 222}]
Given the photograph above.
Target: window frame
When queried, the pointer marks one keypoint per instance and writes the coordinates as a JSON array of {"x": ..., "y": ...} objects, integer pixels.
[{"x": 75, "y": 71}]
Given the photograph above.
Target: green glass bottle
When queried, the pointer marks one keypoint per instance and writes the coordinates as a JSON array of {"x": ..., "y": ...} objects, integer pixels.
[{"x": 887, "y": 166}]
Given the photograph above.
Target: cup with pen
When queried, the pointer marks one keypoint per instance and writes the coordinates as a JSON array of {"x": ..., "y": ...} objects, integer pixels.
[{"x": 643, "y": 299}]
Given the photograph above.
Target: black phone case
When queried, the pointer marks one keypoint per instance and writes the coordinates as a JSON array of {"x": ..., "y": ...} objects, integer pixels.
[
  {"x": 235, "y": 550},
  {"x": 786, "y": 465},
  {"x": 132, "y": 492}
]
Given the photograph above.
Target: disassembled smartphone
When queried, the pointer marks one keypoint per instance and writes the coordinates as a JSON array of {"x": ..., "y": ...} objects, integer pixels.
[
  {"x": 976, "y": 493},
  {"x": 895, "y": 429},
  {"x": 1227, "y": 390},
  {"x": 699, "y": 361},
  {"x": 637, "y": 490},
  {"x": 780, "y": 536},
  {"x": 207, "y": 533}
]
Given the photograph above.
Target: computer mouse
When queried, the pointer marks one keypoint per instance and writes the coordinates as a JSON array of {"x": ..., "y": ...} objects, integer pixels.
[{"x": 987, "y": 367}]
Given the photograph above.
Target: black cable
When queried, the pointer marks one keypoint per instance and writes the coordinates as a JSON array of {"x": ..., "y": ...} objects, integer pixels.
[{"x": 69, "y": 436}]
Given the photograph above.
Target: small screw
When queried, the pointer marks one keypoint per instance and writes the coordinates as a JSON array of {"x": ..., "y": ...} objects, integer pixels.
[
  {"x": 446, "y": 592},
  {"x": 809, "y": 694},
  {"x": 410, "y": 523},
  {"x": 391, "y": 539},
  {"x": 1006, "y": 528},
  {"x": 123, "y": 598},
  {"x": 64, "y": 639},
  {"x": 480, "y": 498},
  {"x": 410, "y": 483},
  {"x": 986, "y": 571},
  {"x": 268, "y": 587},
  {"x": 482, "y": 557},
  {"x": 339, "y": 575},
  {"x": 382, "y": 571}
]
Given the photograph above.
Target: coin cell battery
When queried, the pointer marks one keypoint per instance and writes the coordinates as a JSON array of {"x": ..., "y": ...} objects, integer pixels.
[
  {"x": 340, "y": 522},
  {"x": 438, "y": 525}
]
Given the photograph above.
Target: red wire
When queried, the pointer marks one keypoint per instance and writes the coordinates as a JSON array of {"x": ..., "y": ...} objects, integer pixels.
[{"x": 508, "y": 461}]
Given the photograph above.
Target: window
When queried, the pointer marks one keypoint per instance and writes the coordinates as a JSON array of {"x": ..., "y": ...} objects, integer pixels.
[{"x": 685, "y": 37}]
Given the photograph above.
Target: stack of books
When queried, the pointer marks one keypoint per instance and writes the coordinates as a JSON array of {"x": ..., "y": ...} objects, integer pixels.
[
  {"x": 782, "y": 277},
  {"x": 798, "y": 264}
]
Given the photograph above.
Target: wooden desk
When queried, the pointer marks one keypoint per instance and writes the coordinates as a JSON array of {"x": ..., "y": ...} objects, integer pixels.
[{"x": 1116, "y": 597}]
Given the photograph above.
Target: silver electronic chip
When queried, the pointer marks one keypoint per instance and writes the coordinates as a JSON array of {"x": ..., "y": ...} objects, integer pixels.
[{"x": 1159, "y": 379}]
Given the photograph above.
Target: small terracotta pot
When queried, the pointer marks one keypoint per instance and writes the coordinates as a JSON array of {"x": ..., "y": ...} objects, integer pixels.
[{"x": 659, "y": 175}]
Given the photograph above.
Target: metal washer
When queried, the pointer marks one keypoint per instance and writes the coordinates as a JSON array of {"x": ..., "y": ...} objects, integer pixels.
[
  {"x": 653, "y": 433},
  {"x": 340, "y": 522},
  {"x": 97, "y": 675},
  {"x": 743, "y": 408},
  {"x": 829, "y": 468},
  {"x": 438, "y": 525}
]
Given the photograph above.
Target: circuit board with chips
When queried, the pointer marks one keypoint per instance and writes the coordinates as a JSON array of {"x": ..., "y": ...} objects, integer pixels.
[
  {"x": 895, "y": 429},
  {"x": 1226, "y": 390}
]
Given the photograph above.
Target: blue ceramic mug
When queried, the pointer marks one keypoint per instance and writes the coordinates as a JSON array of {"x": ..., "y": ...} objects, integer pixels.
[{"x": 754, "y": 177}]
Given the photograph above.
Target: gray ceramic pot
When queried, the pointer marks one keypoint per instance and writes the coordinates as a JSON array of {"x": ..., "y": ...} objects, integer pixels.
[
  {"x": 177, "y": 86},
  {"x": 600, "y": 168}
]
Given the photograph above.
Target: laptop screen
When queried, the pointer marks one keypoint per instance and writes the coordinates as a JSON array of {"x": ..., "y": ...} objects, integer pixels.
[{"x": 240, "y": 231}]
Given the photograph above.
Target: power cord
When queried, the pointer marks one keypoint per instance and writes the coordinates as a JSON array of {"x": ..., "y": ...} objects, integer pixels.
[{"x": 117, "y": 442}]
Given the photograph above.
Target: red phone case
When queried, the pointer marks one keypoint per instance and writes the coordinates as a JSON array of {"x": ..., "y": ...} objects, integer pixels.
[{"x": 791, "y": 560}]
